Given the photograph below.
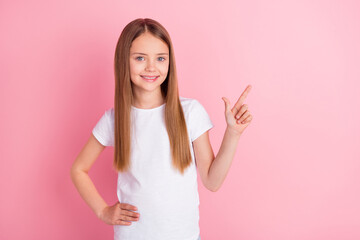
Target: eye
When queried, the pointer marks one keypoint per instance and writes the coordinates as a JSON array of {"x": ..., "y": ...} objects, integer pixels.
[
  {"x": 138, "y": 57},
  {"x": 163, "y": 58}
]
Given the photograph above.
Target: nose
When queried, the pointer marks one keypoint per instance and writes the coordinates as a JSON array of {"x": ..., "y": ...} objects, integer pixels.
[{"x": 150, "y": 66}]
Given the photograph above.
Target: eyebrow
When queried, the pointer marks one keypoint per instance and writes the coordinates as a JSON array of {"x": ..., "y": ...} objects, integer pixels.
[{"x": 146, "y": 54}]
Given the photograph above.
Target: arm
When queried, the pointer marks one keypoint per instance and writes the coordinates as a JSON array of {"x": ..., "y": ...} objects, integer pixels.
[
  {"x": 119, "y": 213},
  {"x": 214, "y": 170},
  {"x": 80, "y": 178}
]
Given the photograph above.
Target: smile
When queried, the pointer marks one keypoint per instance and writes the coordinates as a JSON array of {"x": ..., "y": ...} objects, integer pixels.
[{"x": 149, "y": 78}]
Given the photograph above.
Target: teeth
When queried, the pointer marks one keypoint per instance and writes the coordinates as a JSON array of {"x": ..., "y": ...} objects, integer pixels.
[{"x": 149, "y": 77}]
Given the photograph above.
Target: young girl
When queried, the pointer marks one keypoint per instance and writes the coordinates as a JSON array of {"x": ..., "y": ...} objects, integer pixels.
[{"x": 159, "y": 140}]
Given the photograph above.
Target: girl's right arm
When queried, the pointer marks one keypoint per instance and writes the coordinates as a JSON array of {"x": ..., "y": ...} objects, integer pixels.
[
  {"x": 80, "y": 178},
  {"x": 119, "y": 213}
]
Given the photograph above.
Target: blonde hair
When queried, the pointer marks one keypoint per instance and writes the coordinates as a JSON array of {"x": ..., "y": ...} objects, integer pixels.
[{"x": 174, "y": 115}]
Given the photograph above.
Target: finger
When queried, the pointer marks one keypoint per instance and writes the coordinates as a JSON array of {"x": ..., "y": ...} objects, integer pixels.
[
  {"x": 242, "y": 111},
  {"x": 130, "y": 213},
  {"x": 128, "y": 206},
  {"x": 127, "y": 218},
  {"x": 121, "y": 222},
  {"x": 247, "y": 120},
  {"x": 243, "y": 116},
  {"x": 242, "y": 98},
  {"x": 227, "y": 104}
]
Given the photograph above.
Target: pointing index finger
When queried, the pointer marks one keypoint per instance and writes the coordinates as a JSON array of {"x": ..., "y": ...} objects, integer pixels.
[{"x": 242, "y": 98}]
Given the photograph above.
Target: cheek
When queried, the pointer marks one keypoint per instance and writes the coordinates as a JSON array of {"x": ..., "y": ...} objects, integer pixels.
[
  {"x": 131, "y": 67},
  {"x": 164, "y": 70},
  {"x": 134, "y": 68}
]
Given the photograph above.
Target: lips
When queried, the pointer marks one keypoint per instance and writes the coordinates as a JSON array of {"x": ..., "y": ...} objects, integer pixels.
[{"x": 148, "y": 78}]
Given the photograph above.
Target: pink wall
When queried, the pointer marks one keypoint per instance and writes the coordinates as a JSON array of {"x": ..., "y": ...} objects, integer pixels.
[{"x": 296, "y": 172}]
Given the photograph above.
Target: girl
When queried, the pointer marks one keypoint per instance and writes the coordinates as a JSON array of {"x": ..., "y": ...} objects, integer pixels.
[{"x": 157, "y": 136}]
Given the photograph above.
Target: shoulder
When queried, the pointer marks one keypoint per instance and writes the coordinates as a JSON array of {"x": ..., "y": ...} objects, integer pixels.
[
  {"x": 110, "y": 111},
  {"x": 189, "y": 103},
  {"x": 192, "y": 106},
  {"x": 109, "y": 114},
  {"x": 198, "y": 120}
]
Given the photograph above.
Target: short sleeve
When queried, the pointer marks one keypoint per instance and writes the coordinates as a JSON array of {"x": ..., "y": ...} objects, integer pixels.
[
  {"x": 200, "y": 121},
  {"x": 103, "y": 130}
]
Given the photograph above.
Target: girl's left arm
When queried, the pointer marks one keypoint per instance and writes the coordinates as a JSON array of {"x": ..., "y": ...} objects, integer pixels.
[{"x": 213, "y": 170}]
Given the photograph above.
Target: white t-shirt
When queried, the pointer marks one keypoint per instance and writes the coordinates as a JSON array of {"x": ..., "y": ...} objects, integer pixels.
[{"x": 166, "y": 200}]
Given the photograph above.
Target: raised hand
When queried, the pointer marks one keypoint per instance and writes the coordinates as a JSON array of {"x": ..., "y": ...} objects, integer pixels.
[
  {"x": 119, "y": 214},
  {"x": 238, "y": 117}
]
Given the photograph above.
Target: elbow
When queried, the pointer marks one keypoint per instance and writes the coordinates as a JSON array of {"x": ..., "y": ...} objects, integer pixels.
[
  {"x": 74, "y": 172},
  {"x": 213, "y": 188},
  {"x": 77, "y": 169}
]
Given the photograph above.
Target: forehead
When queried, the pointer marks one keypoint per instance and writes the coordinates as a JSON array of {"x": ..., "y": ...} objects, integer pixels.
[{"x": 147, "y": 43}]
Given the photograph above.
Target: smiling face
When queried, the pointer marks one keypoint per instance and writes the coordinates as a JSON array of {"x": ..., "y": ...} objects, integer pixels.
[{"x": 149, "y": 64}]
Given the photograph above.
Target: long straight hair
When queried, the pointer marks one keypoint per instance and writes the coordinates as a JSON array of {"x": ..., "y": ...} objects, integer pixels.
[{"x": 174, "y": 115}]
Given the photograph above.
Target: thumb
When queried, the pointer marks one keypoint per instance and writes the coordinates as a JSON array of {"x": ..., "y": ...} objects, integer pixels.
[{"x": 227, "y": 104}]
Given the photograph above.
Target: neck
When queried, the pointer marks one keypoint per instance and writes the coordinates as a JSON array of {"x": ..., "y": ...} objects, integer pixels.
[{"x": 147, "y": 100}]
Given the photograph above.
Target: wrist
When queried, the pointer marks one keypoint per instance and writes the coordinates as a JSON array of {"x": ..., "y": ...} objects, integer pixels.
[
  {"x": 232, "y": 132},
  {"x": 100, "y": 211}
]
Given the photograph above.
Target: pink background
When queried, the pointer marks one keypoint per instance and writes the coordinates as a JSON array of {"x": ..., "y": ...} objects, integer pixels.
[{"x": 295, "y": 174}]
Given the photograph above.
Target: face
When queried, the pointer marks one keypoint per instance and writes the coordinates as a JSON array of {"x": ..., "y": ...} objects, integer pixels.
[{"x": 149, "y": 63}]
